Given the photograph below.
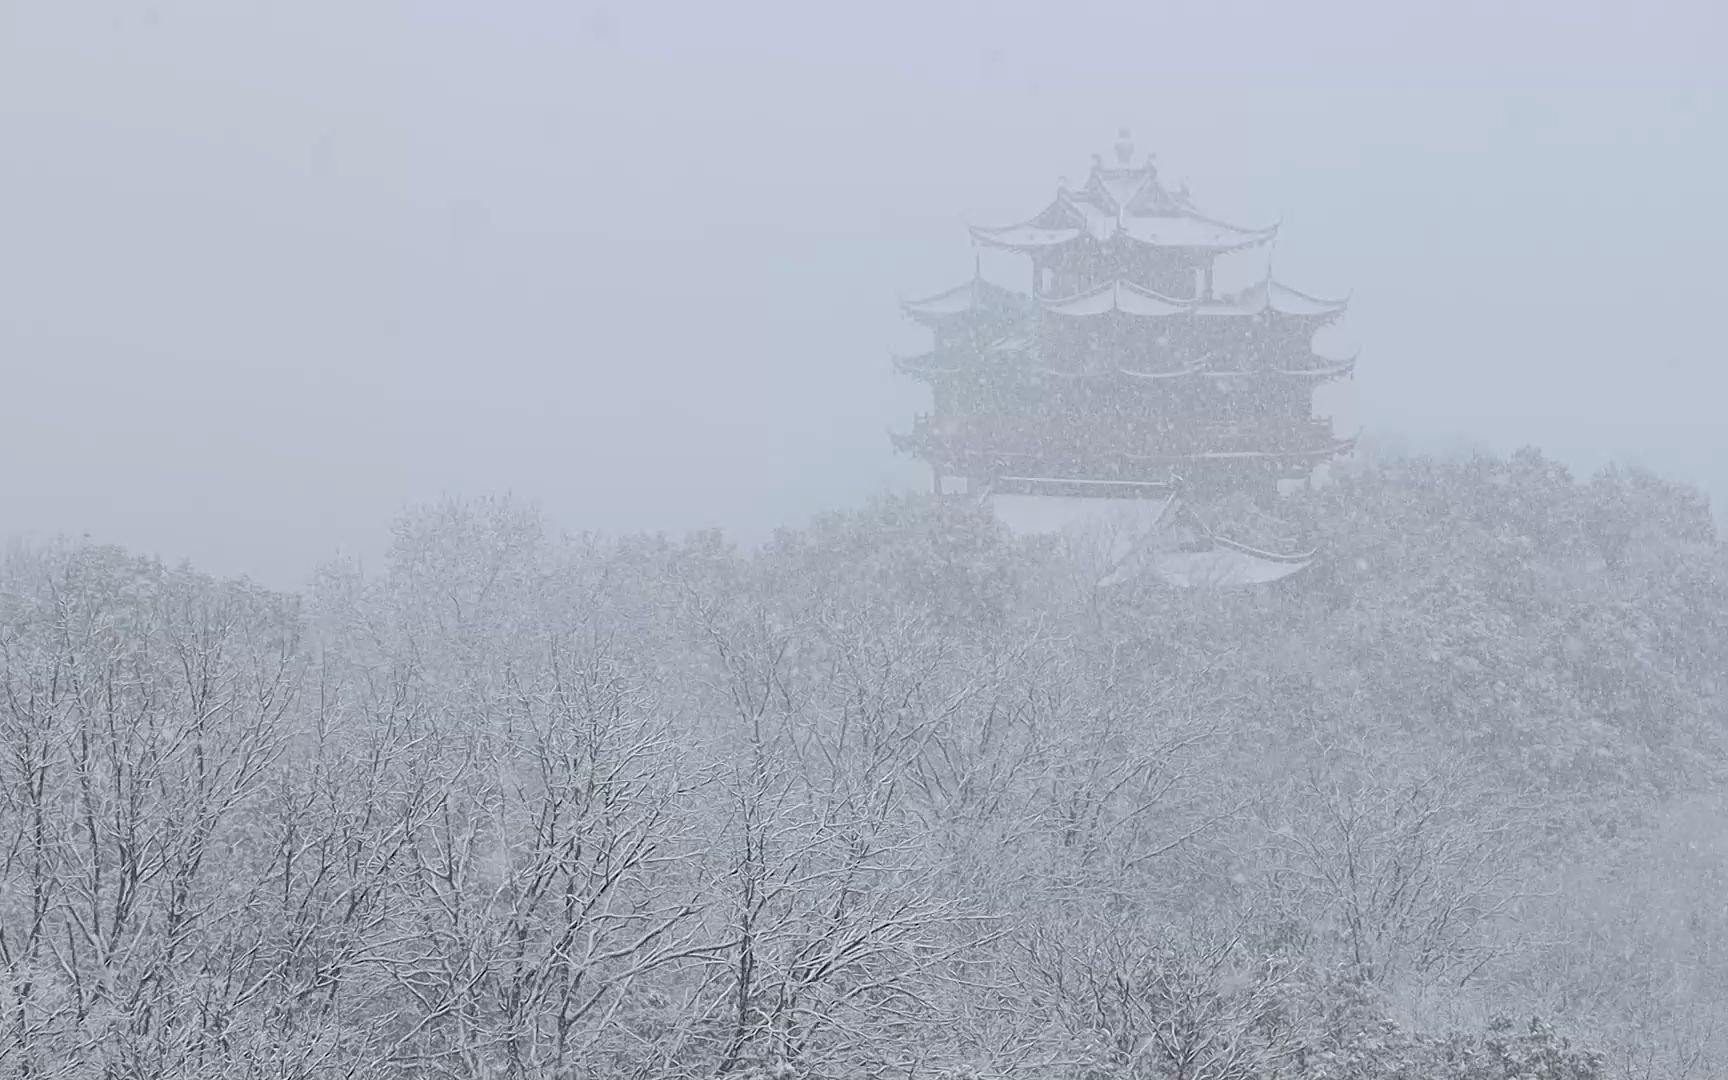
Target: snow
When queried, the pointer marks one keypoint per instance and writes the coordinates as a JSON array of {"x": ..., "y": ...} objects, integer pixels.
[
  {"x": 924, "y": 364},
  {"x": 1119, "y": 295},
  {"x": 1134, "y": 300},
  {"x": 1325, "y": 371},
  {"x": 1220, "y": 568},
  {"x": 952, "y": 302},
  {"x": 1105, "y": 211},
  {"x": 1098, "y": 301},
  {"x": 1100, "y": 224},
  {"x": 1235, "y": 455},
  {"x": 967, "y": 297},
  {"x": 1092, "y": 483},
  {"x": 1250, "y": 301},
  {"x": 1289, "y": 301},
  {"x": 1192, "y": 369},
  {"x": 1123, "y": 186},
  {"x": 1113, "y": 527},
  {"x": 1272, "y": 295},
  {"x": 1023, "y": 237},
  {"x": 1195, "y": 232},
  {"x": 1131, "y": 537}
]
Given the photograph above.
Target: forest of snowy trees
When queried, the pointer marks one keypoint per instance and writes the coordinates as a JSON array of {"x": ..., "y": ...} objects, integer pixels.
[{"x": 896, "y": 795}]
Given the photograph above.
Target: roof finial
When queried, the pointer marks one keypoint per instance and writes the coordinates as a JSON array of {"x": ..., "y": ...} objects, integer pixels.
[
  {"x": 1124, "y": 145},
  {"x": 977, "y": 266}
]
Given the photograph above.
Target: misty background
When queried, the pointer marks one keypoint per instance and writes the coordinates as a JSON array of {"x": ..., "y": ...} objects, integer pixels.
[{"x": 270, "y": 271}]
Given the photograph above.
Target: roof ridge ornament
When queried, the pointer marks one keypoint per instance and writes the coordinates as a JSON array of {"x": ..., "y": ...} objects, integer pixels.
[{"x": 1124, "y": 146}]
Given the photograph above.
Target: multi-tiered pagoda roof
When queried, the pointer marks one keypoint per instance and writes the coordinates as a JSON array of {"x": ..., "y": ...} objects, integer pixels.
[{"x": 1126, "y": 370}]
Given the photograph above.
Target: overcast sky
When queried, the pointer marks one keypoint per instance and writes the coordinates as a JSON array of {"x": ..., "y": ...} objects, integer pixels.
[{"x": 271, "y": 270}]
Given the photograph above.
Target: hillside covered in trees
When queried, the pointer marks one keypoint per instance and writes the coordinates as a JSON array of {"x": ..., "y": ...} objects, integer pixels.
[{"x": 896, "y": 795}]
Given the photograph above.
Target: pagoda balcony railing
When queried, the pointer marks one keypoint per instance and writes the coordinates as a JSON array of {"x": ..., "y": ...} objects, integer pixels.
[{"x": 1095, "y": 439}]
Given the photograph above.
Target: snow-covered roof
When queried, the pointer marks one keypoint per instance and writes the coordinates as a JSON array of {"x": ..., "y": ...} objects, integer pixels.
[
  {"x": 1220, "y": 567},
  {"x": 1121, "y": 186},
  {"x": 1127, "y": 201},
  {"x": 1332, "y": 448},
  {"x": 1024, "y": 237},
  {"x": 1269, "y": 295},
  {"x": 1118, "y": 295},
  {"x": 1166, "y": 539},
  {"x": 1077, "y": 214},
  {"x": 1011, "y": 345},
  {"x": 1195, "y": 368},
  {"x": 925, "y": 364},
  {"x": 1324, "y": 370},
  {"x": 974, "y": 295},
  {"x": 1101, "y": 223},
  {"x": 1193, "y": 231},
  {"x": 1287, "y": 301},
  {"x": 951, "y": 302}
]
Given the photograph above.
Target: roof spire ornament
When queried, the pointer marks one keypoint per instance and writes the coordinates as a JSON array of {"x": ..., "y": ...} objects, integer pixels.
[{"x": 1124, "y": 146}]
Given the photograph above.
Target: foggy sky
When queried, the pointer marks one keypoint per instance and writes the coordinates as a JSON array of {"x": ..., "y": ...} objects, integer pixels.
[{"x": 270, "y": 271}]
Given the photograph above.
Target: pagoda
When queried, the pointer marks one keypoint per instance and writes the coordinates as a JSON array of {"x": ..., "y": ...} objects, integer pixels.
[{"x": 1130, "y": 378}]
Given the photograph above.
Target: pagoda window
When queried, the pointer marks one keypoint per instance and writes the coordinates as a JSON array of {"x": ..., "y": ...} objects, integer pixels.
[{"x": 1046, "y": 280}]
